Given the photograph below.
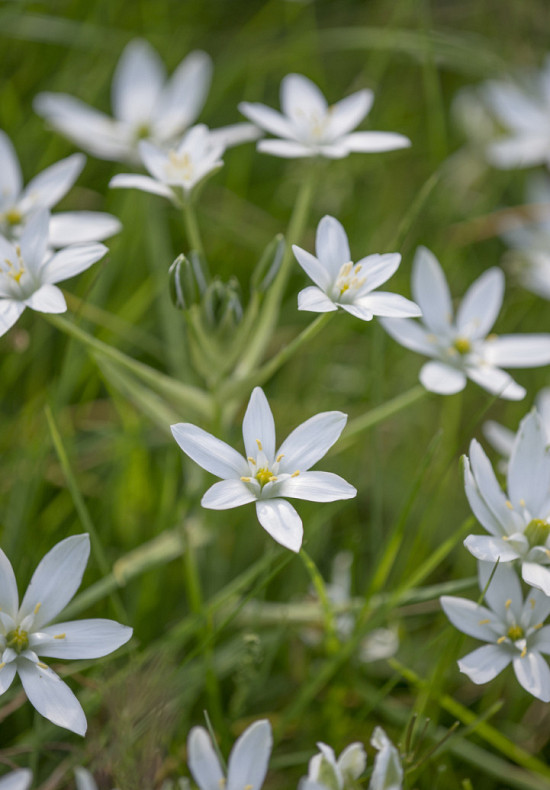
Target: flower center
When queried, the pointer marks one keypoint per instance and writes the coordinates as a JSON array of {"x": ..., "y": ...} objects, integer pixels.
[
  {"x": 18, "y": 640},
  {"x": 264, "y": 475},
  {"x": 11, "y": 271},
  {"x": 13, "y": 216},
  {"x": 143, "y": 131},
  {"x": 462, "y": 345},
  {"x": 348, "y": 279},
  {"x": 537, "y": 532},
  {"x": 515, "y": 632},
  {"x": 181, "y": 165}
]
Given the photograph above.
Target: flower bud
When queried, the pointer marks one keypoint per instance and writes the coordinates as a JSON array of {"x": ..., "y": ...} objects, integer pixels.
[
  {"x": 183, "y": 289},
  {"x": 222, "y": 308}
]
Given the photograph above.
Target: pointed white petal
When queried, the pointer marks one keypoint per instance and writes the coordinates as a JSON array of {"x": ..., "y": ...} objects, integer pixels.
[
  {"x": 34, "y": 239},
  {"x": 376, "y": 269},
  {"x": 9, "y": 313},
  {"x": 431, "y": 292},
  {"x": 469, "y": 617},
  {"x": 535, "y": 610},
  {"x": 227, "y": 494},
  {"x": 389, "y": 304},
  {"x": 183, "y": 97},
  {"x": 280, "y": 519},
  {"x": 9, "y": 597},
  {"x": 212, "y": 454},
  {"x": 7, "y": 674},
  {"x": 485, "y": 663},
  {"x": 500, "y": 437},
  {"x": 268, "y": 119},
  {"x": 203, "y": 760},
  {"x": 83, "y": 639},
  {"x": 504, "y": 590},
  {"x": 56, "y": 579},
  {"x": 287, "y": 149},
  {"x": 481, "y": 304},
  {"x": 529, "y": 465},
  {"x": 82, "y": 227},
  {"x": 441, "y": 378},
  {"x": 519, "y": 351},
  {"x": 51, "y": 697},
  {"x": 259, "y": 426},
  {"x": 513, "y": 106},
  {"x": 496, "y": 381},
  {"x": 410, "y": 334},
  {"x": 536, "y": 576},
  {"x": 374, "y": 142},
  {"x": 490, "y": 549},
  {"x": 316, "y": 487},
  {"x": 17, "y": 780},
  {"x": 534, "y": 675},
  {"x": 353, "y": 761},
  {"x": 310, "y": 441},
  {"x": 10, "y": 172},
  {"x": 48, "y": 299},
  {"x": 48, "y": 187},
  {"x": 71, "y": 261},
  {"x": 541, "y": 641},
  {"x": 348, "y": 113},
  {"x": 234, "y": 134},
  {"x": 387, "y": 773},
  {"x": 249, "y": 757},
  {"x": 137, "y": 83},
  {"x": 525, "y": 150},
  {"x": 481, "y": 508},
  {"x": 358, "y": 310},
  {"x": 300, "y": 96},
  {"x": 143, "y": 183},
  {"x": 490, "y": 490},
  {"x": 84, "y": 779},
  {"x": 313, "y": 300},
  {"x": 332, "y": 246},
  {"x": 312, "y": 267}
]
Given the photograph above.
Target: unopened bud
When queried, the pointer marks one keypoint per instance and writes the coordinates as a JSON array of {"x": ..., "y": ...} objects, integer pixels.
[
  {"x": 222, "y": 305},
  {"x": 183, "y": 290}
]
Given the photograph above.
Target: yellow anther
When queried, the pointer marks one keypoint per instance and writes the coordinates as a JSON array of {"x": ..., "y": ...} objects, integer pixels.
[
  {"x": 484, "y": 622},
  {"x": 502, "y": 639},
  {"x": 41, "y": 665},
  {"x": 523, "y": 652},
  {"x": 37, "y": 608},
  {"x": 280, "y": 458},
  {"x": 265, "y": 475},
  {"x": 2, "y": 665},
  {"x": 251, "y": 460},
  {"x": 246, "y": 479},
  {"x": 60, "y": 636},
  {"x": 258, "y": 442},
  {"x": 522, "y": 502},
  {"x": 509, "y": 505},
  {"x": 296, "y": 473},
  {"x": 508, "y": 603},
  {"x": 532, "y": 602},
  {"x": 222, "y": 782},
  {"x": 491, "y": 337},
  {"x": 537, "y": 626}
]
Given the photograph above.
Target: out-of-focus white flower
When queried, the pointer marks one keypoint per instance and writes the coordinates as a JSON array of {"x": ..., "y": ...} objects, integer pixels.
[
  {"x": 462, "y": 348},
  {"x": 247, "y": 764},
  {"x": 174, "y": 173},
  {"x": 268, "y": 476},
  {"x": 307, "y": 125},
  {"x": 523, "y": 109},
  {"x": 503, "y": 438},
  {"x": 28, "y": 275},
  {"x": 518, "y": 521},
  {"x": 341, "y": 283},
  {"x": 325, "y": 772},
  {"x": 24, "y": 633},
  {"x": 387, "y": 773},
  {"x": 17, "y": 780},
  {"x": 145, "y": 106},
  {"x": 19, "y": 203},
  {"x": 512, "y": 627}
]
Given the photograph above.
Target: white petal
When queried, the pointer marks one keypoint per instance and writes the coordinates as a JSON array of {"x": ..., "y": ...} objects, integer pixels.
[
  {"x": 481, "y": 508},
  {"x": 485, "y": 663},
  {"x": 280, "y": 519},
  {"x": 316, "y": 487},
  {"x": 7, "y": 674},
  {"x": 534, "y": 675},
  {"x": 389, "y": 304},
  {"x": 84, "y": 779},
  {"x": 410, "y": 334},
  {"x": 203, "y": 760},
  {"x": 481, "y": 304},
  {"x": 51, "y": 697},
  {"x": 431, "y": 292},
  {"x": 10, "y": 172},
  {"x": 496, "y": 381},
  {"x": 358, "y": 310},
  {"x": 183, "y": 97},
  {"x": 541, "y": 641},
  {"x": 522, "y": 151},
  {"x": 374, "y": 142},
  {"x": 312, "y": 267},
  {"x": 48, "y": 187},
  {"x": 348, "y": 113},
  {"x": 441, "y": 378},
  {"x": 17, "y": 780},
  {"x": 143, "y": 183},
  {"x": 9, "y": 597},
  {"x": 490, "y": 549},
  {"x": 500, "y": 437},
  {"x": 332, "y": 246},
  {"x": 490, "y": 490},
  {"x": 234, "y": 134},
  {"x": 287, "y": 149},
  {"x": 268, "y": 119},
  {"x": 83, "y": 639},
  {"x": 137, "y": 83},
  {"x": 469, "y": 617},
  {"x": 9, "y": 313},
  {"x": 71, "y": 261},
  {"x": 56, "y": 579},
  {"x": 353, "y": 761},
  {"x": 258, "y": 426},
  {"x": 249, "y": 757},
  {"x": 513, "y": 106},
  {"x": 212, "y": 454},
  {"x": 519, "y": 351},
  {"x": 48, "y": 299},
  {"x": 300, "y": 96},
  {"x": 227, "y": 494},
  {"x": 82, "y": 227},
  {"x": 505, "y": 588},
  {"x": 536, "y": 576},
  {"x": 529, "y": 465},
  {"x": 387, "y": 773},
  {"x": 310, "y": 441},
  {"x": 376, "y": 269},
  {"x": 313, "y": 300},
  {"x": 34, "y": 239}
]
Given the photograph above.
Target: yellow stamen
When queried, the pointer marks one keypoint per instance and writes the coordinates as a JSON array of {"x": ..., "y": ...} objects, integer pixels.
[
  {"x": 258, "y": 442},
  {"x": 501, "y": 639},
  {"x": 37, "y": 608},
  {"x": 280, "y": 458},
  {"x": 60, "y": 636},
  {"x": 484, "y": 622},
  {"x": 532, "y": 602},
  {"x": 2, "y": 665},
  {"x": 522, "y": 502},
  {"x": 296, "y": 473},
  {"x": 246, "y": 479},
  {"x": 41, "y": 665},
  {"x": 523, "y": 652},
  {"x": 537, "y": 626},
  {"x": 509, "y": 505},
  {"x": 265, "y": 475},
  {"x": 508, "y": 603},
  {"x": 251, "y": 460}
]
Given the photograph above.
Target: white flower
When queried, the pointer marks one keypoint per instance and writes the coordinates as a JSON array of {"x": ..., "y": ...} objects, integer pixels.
[
  {"x": 18, "y": 203},
  {"x": 524, "y": 110},
  {"x": 25, "y": 635},
  {"x": 266, "y": 476},
  {"x": 247, "y": 764},
  {"x": 17, "y": 780},
  {"x": 325, "y": 772},
  {"x": 461, "y": 347},
  {"x": 341, "y": 283},
  {"x": 512, "y": 628},
  {"x": 503, "y": 438},
  {"x": 145, "y": 106},
  {"x": 27, "y": 275},
  {"x": 309, "y": 127},
  {"x": 387, "y": 773},
  {"x": 180, "y": 168},
  {"x": 519, "y": 520}
]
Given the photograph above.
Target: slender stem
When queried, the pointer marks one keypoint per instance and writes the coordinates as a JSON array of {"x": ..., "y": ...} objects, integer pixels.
[
  {"x": 192, "y": 229},
  {"x": 321, "y": 590}
]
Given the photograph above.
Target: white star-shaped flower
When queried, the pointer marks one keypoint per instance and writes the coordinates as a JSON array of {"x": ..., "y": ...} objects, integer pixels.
[
  {"x": 19, "y": 203},
  {"x": 461, "y": 347},
  {"x": 268, "y": 476},
  {"x": 518, "y": 520},
  {"x": 513, "y": 628},
  {"x": 25, "y": 634},
  {"x": 17, "y": 780},
  {"x": 28, "y": 275},
  {"x": 247, "y": 764},
  {"x": 326, "y": 772},
  {"x": 174, "y": 173},
  {"x": 341, "y": 283},
  {"x": 145, "y": 106},
  {"x": 307, "y": 125}
]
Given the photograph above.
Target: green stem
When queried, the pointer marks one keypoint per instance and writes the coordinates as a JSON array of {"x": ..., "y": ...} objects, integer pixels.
[
  {"x": 332, "y": 642},
  {"x": 192, "y": 229}
]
